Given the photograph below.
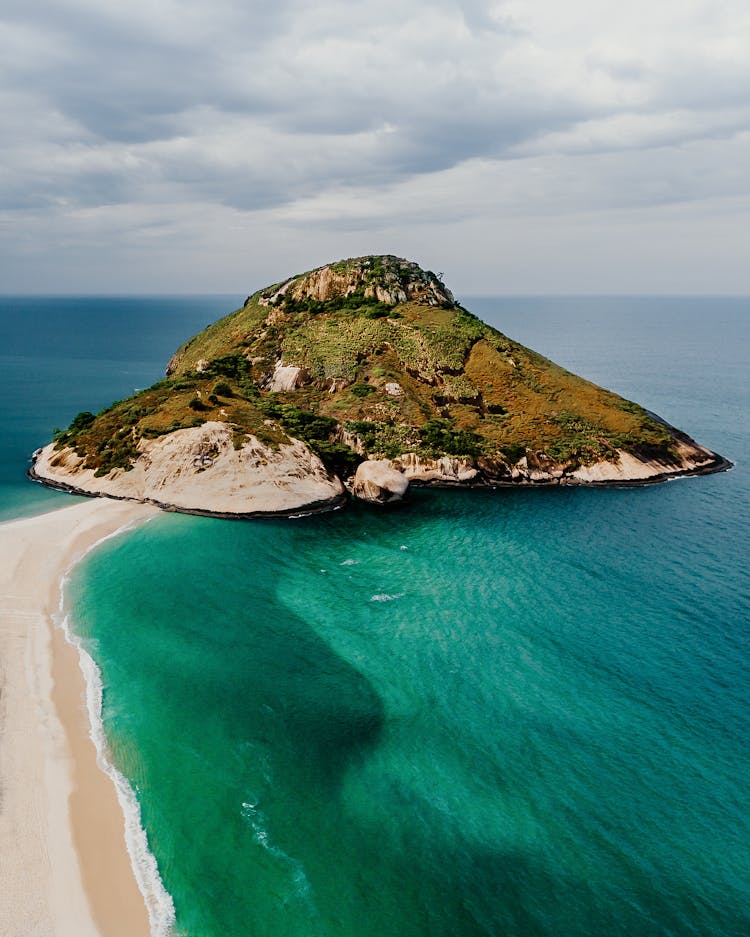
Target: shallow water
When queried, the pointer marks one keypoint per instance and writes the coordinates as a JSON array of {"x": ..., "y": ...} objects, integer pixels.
[{"x": 495, "y": 713}]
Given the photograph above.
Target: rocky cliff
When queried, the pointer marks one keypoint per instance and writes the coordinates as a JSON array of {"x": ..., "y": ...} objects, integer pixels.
[
  {"x": 198, "y": 470},
  {"x": 275, "y": 407}
]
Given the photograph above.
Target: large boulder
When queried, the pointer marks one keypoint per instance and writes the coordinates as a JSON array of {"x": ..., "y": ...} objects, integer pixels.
[
  {"x": 199, "y": 470},
  {"x": 286, "y": 378},
  {"x": 378, "y": 482}
]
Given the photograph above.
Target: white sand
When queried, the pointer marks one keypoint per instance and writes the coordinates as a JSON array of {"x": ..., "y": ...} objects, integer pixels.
[{"x": 64, "y": 867}]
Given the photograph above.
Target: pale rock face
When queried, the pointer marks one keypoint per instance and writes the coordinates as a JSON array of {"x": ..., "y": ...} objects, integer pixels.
[
  {"x": 378, "y": 482},
  {"x": 338, "y": 383},
  {"x": 351, "y": 440},
  {"x": 286, "y": 377},
  {"x": 394, "y": 389},
  {"x": 198, "y": 469},
  {"x": 630, "y": 468},
  {"x": 393, "y": 288},
  {"x": 520, "y": 469},
  {"x": 446, "y": 470},
  {"x": 391, "y": 297},
  {"x": 272, "y": 298},
  {"x": 536, "y": 467},
  {"x": 322, "y": 285},
  {"x": 627, "y": 468}
]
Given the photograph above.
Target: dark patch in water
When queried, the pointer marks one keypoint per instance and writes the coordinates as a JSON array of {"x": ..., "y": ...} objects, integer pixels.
[{"x": 316, "y": 706}]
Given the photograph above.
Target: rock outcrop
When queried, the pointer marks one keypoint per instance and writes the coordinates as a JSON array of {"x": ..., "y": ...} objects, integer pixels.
[
  {"x": 286, "y": 378},
  {"x": 199, "y": 471},
  {"x": 378, "y": 482},
  {"x": 448, "y": 470},
  {"x": 389, "y": 280},
  {"x": 690, "y": 459}
]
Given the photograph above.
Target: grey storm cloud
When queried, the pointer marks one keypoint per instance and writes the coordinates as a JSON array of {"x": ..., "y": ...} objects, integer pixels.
[{"x": 341, "y": 112}]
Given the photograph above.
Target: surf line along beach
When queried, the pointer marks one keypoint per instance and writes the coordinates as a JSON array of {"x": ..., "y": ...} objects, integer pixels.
[{"x": 65, "y": 867}]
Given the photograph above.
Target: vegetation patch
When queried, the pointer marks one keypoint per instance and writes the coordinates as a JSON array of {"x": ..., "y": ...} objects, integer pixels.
[
  {"x": 222, "y": 389},
  {"x": 369, "y": 306},
  {"x": 440, "y": 437},
  {"x": 384, "y": 439},
  {"x": 316, "y": 431}
]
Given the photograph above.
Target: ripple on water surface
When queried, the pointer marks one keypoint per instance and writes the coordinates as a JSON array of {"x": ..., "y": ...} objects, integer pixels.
[{"x": 533, "y": 720}]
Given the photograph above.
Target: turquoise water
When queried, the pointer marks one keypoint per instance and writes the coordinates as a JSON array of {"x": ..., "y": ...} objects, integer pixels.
[
  {"x": 61, "y": 355},
  {"x": 497, "y": 713}
]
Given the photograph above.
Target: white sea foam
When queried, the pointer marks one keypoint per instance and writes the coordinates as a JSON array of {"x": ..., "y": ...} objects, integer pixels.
[
  {"x": 385, "y": 597},
  {"x": 252, "y": 813},
  {"x": 296, "y": 517},
  {"x": 257, "y": 820},
  {"x": 349, "y": 563},
  {"x": 158, "y": 901}
]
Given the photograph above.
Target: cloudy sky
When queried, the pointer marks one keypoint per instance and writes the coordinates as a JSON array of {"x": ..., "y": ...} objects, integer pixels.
[{"x": 526, "y": 146}]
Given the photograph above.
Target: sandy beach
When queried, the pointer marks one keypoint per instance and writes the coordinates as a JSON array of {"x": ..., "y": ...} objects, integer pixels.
[{"x": 64, "y": 867}]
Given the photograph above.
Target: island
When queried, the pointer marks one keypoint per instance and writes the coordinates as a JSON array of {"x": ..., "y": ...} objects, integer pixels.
[{"x": 359, "y": 378}]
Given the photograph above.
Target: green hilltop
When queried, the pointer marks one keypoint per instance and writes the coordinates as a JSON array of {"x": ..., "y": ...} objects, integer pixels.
[{"x": 372, "y": 357}]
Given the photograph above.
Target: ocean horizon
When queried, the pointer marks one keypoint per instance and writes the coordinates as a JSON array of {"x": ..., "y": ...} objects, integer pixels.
[{"x": 486, "y": 713}]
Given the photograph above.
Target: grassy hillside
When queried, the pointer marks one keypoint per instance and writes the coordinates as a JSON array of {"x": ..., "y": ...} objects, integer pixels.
[{"x": 389, "y": 364}]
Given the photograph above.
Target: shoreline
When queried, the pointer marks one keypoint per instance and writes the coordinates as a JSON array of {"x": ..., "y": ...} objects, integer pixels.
[
  {"x": 712, "y": 466},
  {"x": 715, "y": 467},
  {"x": 60, "y": 815},
  {"x": 312, "y": 507}
]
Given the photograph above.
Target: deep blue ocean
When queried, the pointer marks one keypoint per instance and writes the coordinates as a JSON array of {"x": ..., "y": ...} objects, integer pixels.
[{"x": 508, "y": 713}]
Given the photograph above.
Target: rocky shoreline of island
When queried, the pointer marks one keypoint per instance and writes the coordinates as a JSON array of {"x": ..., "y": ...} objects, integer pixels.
[{"x": 256, "y": 481}]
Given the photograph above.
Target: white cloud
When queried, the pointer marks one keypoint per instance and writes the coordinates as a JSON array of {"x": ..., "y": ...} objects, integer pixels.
[{"x": 347, "y": 122}]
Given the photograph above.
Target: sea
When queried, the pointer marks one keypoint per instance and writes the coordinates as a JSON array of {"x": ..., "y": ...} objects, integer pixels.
[{"x": 486, "y": 714}]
